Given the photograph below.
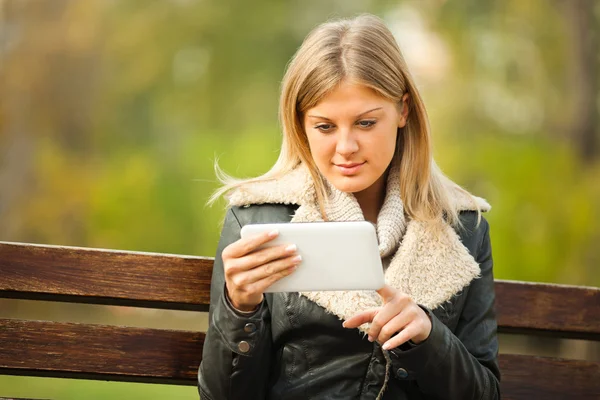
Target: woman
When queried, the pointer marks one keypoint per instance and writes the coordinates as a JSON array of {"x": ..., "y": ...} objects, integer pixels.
[{"x": 356, "y": 145}]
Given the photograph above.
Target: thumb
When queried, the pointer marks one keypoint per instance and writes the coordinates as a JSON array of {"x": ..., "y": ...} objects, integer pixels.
[{"x": 387, "y": 293}]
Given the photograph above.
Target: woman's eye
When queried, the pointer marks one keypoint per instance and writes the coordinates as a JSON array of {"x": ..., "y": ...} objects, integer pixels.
[
  {"x": 324, "y": 127},
  {"x": 366, "y": 123}
]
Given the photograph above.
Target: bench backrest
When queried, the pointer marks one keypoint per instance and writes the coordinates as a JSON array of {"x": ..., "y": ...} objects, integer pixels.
[{"x": 80, "y": 275}]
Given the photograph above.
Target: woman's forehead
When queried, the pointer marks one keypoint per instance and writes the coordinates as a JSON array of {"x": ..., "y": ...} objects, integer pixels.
[{"x": 349, "y": 98}]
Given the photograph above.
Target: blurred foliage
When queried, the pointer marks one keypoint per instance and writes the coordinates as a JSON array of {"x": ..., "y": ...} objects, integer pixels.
[{"x": 112, "y": 114}]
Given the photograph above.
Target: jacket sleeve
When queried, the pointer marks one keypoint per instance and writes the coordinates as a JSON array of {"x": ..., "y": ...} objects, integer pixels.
[
  {"x": 237, "y": 348},
  {"x": 461, "y": 365}
]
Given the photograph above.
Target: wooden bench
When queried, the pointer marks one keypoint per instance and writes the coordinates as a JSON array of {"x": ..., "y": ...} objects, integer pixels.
[{"x": 77, "y": 350}]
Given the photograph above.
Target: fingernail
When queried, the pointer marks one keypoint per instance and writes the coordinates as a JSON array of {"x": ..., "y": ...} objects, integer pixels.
[
  {"x": 371, "y": 338},
  {"x": 385, "y": 346},
  {"x": 273, "y": 233},
  {"x": 344, "y": 324},
  {"x": 297, "y": 259},
  {"x": 291, "y": 248}
]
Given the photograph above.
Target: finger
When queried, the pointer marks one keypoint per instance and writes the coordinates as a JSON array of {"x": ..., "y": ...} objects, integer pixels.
[
  {"x": 264, "y": 256},
  {"x": 272, "y": 267},
  {"x": 360, "y": 318},
  {"x": 245, "y": 246},
  {"x": 263, "y": 284},
  {"x": 402, "y": 337},
  {"x": 394, "y": 326},
  {"x": 387, "y": 293},
  {"x": 387, "y": 312},
  {"x": 259, "y": 258}
]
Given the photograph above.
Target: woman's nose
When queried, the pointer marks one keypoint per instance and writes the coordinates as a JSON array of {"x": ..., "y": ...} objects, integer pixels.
[{"x": 346, "y": 143}]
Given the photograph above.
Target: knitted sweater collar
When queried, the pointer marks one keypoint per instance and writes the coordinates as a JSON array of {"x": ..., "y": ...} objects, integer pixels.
[{"x": 391, "y": 223}]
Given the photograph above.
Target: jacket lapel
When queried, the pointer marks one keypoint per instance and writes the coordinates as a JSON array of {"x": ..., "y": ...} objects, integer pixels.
[{"x": 430, "y": 267}]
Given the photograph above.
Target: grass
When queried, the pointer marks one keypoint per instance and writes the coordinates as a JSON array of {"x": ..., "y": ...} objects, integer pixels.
[{"x": 67, "y": 389}]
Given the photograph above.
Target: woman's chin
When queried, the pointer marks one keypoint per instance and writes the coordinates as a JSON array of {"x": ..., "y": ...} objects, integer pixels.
[{"x": 349, "y": 184}]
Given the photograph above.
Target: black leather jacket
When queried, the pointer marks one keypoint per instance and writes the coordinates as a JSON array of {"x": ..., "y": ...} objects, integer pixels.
[{"x": 291, "y": 348}]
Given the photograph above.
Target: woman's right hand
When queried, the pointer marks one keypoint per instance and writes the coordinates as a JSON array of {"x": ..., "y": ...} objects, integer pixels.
[{"x": 249, "y": 271}]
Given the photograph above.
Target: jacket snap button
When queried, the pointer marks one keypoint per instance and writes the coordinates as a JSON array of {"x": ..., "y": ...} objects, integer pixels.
[
  {"x": 249, "y": 328},
  {"x": 243, "y": 346},
  {"x": 402, "y": 373}
]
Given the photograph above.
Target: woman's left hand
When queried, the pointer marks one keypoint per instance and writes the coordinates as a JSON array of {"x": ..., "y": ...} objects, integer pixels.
[{"x": 399, "y": 316}]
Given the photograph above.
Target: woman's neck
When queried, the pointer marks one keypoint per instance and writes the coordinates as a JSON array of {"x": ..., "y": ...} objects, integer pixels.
[{"x": 371, "y": 199}]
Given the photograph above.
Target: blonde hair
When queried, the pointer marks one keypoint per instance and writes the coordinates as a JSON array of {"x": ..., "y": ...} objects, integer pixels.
[{"x": 361, "y": 49}]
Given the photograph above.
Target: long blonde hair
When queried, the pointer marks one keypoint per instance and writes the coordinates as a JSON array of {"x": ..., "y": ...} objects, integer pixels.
[{"x": 363, "y": 50}]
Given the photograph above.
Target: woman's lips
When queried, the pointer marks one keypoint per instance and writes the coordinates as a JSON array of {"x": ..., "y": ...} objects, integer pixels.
[{"x": 349, "y": 169}]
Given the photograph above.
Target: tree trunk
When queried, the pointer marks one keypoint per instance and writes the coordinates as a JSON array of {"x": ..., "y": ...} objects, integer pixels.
[{"x": 582, "y": 24}]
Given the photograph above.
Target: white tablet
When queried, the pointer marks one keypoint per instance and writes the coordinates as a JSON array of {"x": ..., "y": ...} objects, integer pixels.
[{"x": 335, "y": 255}]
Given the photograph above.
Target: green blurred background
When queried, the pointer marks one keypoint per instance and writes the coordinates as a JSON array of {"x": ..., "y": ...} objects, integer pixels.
[{"x": 113, "y": 112}]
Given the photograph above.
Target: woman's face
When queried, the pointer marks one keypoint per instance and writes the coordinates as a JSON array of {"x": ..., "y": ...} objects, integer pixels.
[{"x": 352, "y": 136}]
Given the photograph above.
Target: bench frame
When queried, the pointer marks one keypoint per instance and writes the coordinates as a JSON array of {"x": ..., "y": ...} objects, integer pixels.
[{"x": 165, "y": 281}]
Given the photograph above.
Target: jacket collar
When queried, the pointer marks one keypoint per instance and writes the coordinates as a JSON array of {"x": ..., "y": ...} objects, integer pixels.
[{"x": 429, "y": 267}]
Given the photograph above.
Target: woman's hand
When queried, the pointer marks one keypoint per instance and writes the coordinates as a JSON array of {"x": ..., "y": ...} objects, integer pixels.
[
  {"x": 249, "y": 271},
  {"x": 399, "y": 316}
]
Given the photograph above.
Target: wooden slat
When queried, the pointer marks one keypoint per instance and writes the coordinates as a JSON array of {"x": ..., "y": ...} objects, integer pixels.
[
  {"x": 41, "y": 348},
  {"x": 183, "y": 282},
  {"x": 529, "y": 377},
  {"x": 557, "y": 310},
  {"x": 83, "y": 275}
]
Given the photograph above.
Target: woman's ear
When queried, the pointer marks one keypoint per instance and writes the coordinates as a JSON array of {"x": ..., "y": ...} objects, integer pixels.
[{"x": 403, "y": 114}]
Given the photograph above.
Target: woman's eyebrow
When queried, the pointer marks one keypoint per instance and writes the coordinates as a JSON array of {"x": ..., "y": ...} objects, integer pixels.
[{"x": 358, "y": 116}]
